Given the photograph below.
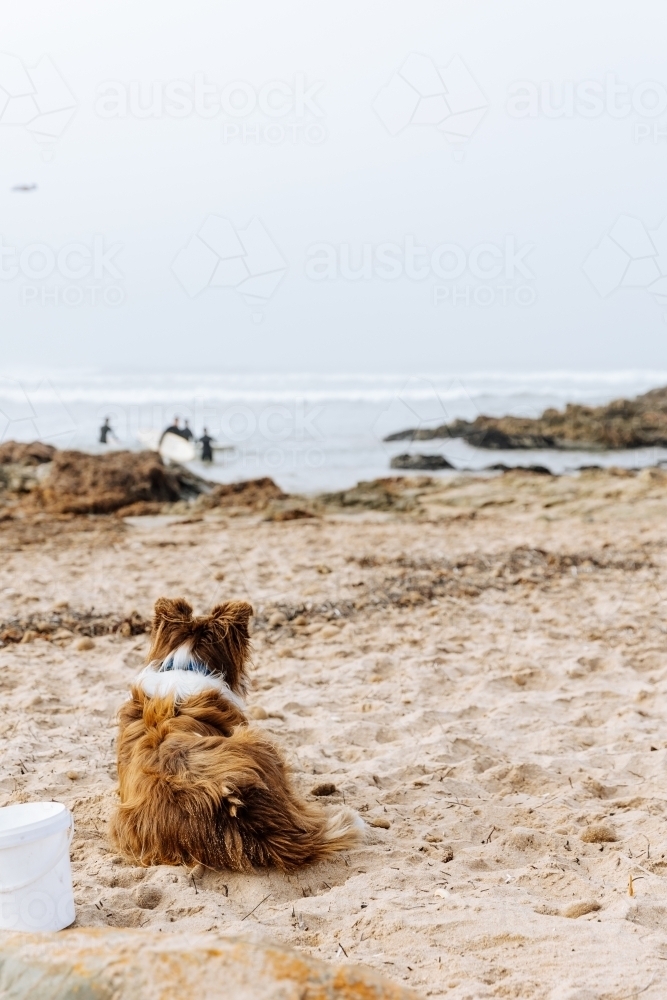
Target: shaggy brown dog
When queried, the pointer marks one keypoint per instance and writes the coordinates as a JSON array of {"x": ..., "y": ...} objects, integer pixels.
[{"x": 197, "y": 784}]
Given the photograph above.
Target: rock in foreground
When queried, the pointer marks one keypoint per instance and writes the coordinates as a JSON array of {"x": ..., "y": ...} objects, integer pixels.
[
  {"x": 624, "y": 423},
  {"x": 118, "y": 482},
  {"x": 128, "y": 965},
  {"x": 78, "y": 483}
]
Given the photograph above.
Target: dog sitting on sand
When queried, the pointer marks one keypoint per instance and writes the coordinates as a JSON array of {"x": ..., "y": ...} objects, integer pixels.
[{"x": 197, "y": 783}]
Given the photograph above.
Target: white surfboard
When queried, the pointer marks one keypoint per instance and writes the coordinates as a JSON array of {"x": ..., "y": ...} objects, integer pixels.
[
  {"x": 149, "y": 438},
  {"x": 176, "y": 449}
]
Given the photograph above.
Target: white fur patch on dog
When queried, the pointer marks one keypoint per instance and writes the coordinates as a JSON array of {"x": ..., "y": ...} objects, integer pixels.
[{"x": 183, "y": 684}]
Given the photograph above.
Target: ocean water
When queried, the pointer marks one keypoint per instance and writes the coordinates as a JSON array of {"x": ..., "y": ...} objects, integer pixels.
[{"x": 309, "y": 432}]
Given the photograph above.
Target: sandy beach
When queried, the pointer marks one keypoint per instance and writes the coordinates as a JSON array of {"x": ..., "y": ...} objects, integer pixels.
[{"x": 475, "y": 663}]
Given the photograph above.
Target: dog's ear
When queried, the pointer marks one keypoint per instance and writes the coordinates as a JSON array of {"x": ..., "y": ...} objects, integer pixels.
[
  {"x": 233, "y": 614},
  {"x": 229, "y": 641},
  {"x": 171, "y": 625},
  {"x": 174, "y": 610}
]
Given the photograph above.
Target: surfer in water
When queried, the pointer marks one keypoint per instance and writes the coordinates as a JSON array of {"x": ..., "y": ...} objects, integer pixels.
[
  {"x": 174, "y": 428},
  {"x": 206, "y": 442},
  {"x": 106, "y": 430},
  {"x": 186, "y": 432}
]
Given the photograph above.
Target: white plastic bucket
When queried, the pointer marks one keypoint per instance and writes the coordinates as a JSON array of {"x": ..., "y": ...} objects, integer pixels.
[{"x": 35, "y": 874}]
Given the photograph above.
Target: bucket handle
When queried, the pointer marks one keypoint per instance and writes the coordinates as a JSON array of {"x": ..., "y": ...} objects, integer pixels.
[{"x": 52, "y": 864}]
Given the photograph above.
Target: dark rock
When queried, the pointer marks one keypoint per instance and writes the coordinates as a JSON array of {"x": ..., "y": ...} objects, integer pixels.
[
  {"x": 326, "y": 788},
  {"x": 409, "y": 435},
  {"x": 424, "y": 463},
  {"x": 540, "y": 470}
]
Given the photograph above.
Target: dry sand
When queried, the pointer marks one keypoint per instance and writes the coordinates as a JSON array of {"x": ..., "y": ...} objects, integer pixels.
[{"x": 491, "y": 698}]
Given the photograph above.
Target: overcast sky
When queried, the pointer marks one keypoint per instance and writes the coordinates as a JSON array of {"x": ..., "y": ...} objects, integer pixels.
[{"x": 374, "y": 186}]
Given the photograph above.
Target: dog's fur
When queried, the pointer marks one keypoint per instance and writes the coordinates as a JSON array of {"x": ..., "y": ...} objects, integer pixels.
[{"x": 197, "y": 783}]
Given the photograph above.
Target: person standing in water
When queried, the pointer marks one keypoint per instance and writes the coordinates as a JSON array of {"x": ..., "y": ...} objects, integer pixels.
[
  {"x": 106, "y": 430},
  {"x": 173, "y": 429},
  {"x": 206, "y": 442},
  {"x": 186, "y": 432}
]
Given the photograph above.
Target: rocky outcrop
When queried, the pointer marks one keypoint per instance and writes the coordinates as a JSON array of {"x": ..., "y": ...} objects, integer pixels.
[
  {"x": 106, "y": 964},
  {"x": 624, "y": 423},
  {"x": 19, "y": 453},
  {"x": 251, "y": 494},
  {"x": 118, "y": 482},
  {"x": 78, "y": 483},
  {"x": 22, "y": 466}
]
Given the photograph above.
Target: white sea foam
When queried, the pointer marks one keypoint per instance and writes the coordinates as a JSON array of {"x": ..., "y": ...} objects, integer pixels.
[{"x": 145, "y": 388}]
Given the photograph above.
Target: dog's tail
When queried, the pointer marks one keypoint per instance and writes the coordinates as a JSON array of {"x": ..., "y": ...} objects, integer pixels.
[
  {"x": 343, "y": 830},
  {"x": 307, "y": 833}
]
